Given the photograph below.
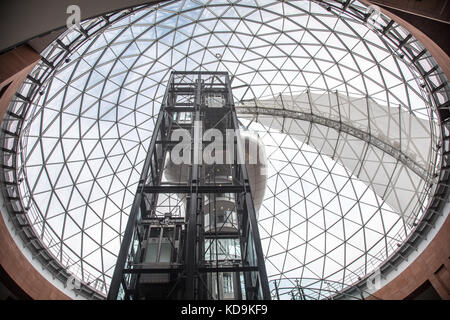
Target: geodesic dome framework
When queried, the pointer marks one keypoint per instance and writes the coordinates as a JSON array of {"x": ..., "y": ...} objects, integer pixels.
[{"x": 349, "y": 109}]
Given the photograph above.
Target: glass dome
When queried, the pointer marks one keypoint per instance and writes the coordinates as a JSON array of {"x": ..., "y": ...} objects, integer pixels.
[{"x": 349, "y": 129}]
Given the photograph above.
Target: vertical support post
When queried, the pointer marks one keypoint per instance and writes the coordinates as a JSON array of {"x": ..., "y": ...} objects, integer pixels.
[
  {"x": 191, "y": 238},
  {"x": 250, "y": 208}
]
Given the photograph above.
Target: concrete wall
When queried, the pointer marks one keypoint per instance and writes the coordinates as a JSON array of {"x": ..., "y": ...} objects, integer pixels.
[
  {"x": 14, "y": 67},
  {"x": 433, "y": 264}
]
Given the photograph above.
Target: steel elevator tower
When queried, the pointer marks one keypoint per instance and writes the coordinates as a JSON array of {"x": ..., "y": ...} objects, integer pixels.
[{"x": 192, "y": 232}]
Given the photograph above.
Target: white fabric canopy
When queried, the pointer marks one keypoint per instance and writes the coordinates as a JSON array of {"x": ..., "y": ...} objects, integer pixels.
[{"x": 403, "y": 135}]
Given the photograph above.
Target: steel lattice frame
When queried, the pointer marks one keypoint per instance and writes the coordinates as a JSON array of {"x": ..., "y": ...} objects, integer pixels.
[{"x": 75, "y": 136}]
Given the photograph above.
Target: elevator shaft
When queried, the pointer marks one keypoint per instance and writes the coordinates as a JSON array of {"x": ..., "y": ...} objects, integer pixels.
[{"x": 192, "y": 232}]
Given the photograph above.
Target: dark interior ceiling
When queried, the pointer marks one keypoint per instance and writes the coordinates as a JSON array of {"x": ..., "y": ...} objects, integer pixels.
[
  {"x": 44, "y": 20},
  {"x": 432, "y": 17},
  {"x": 433, "y": 9}
]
